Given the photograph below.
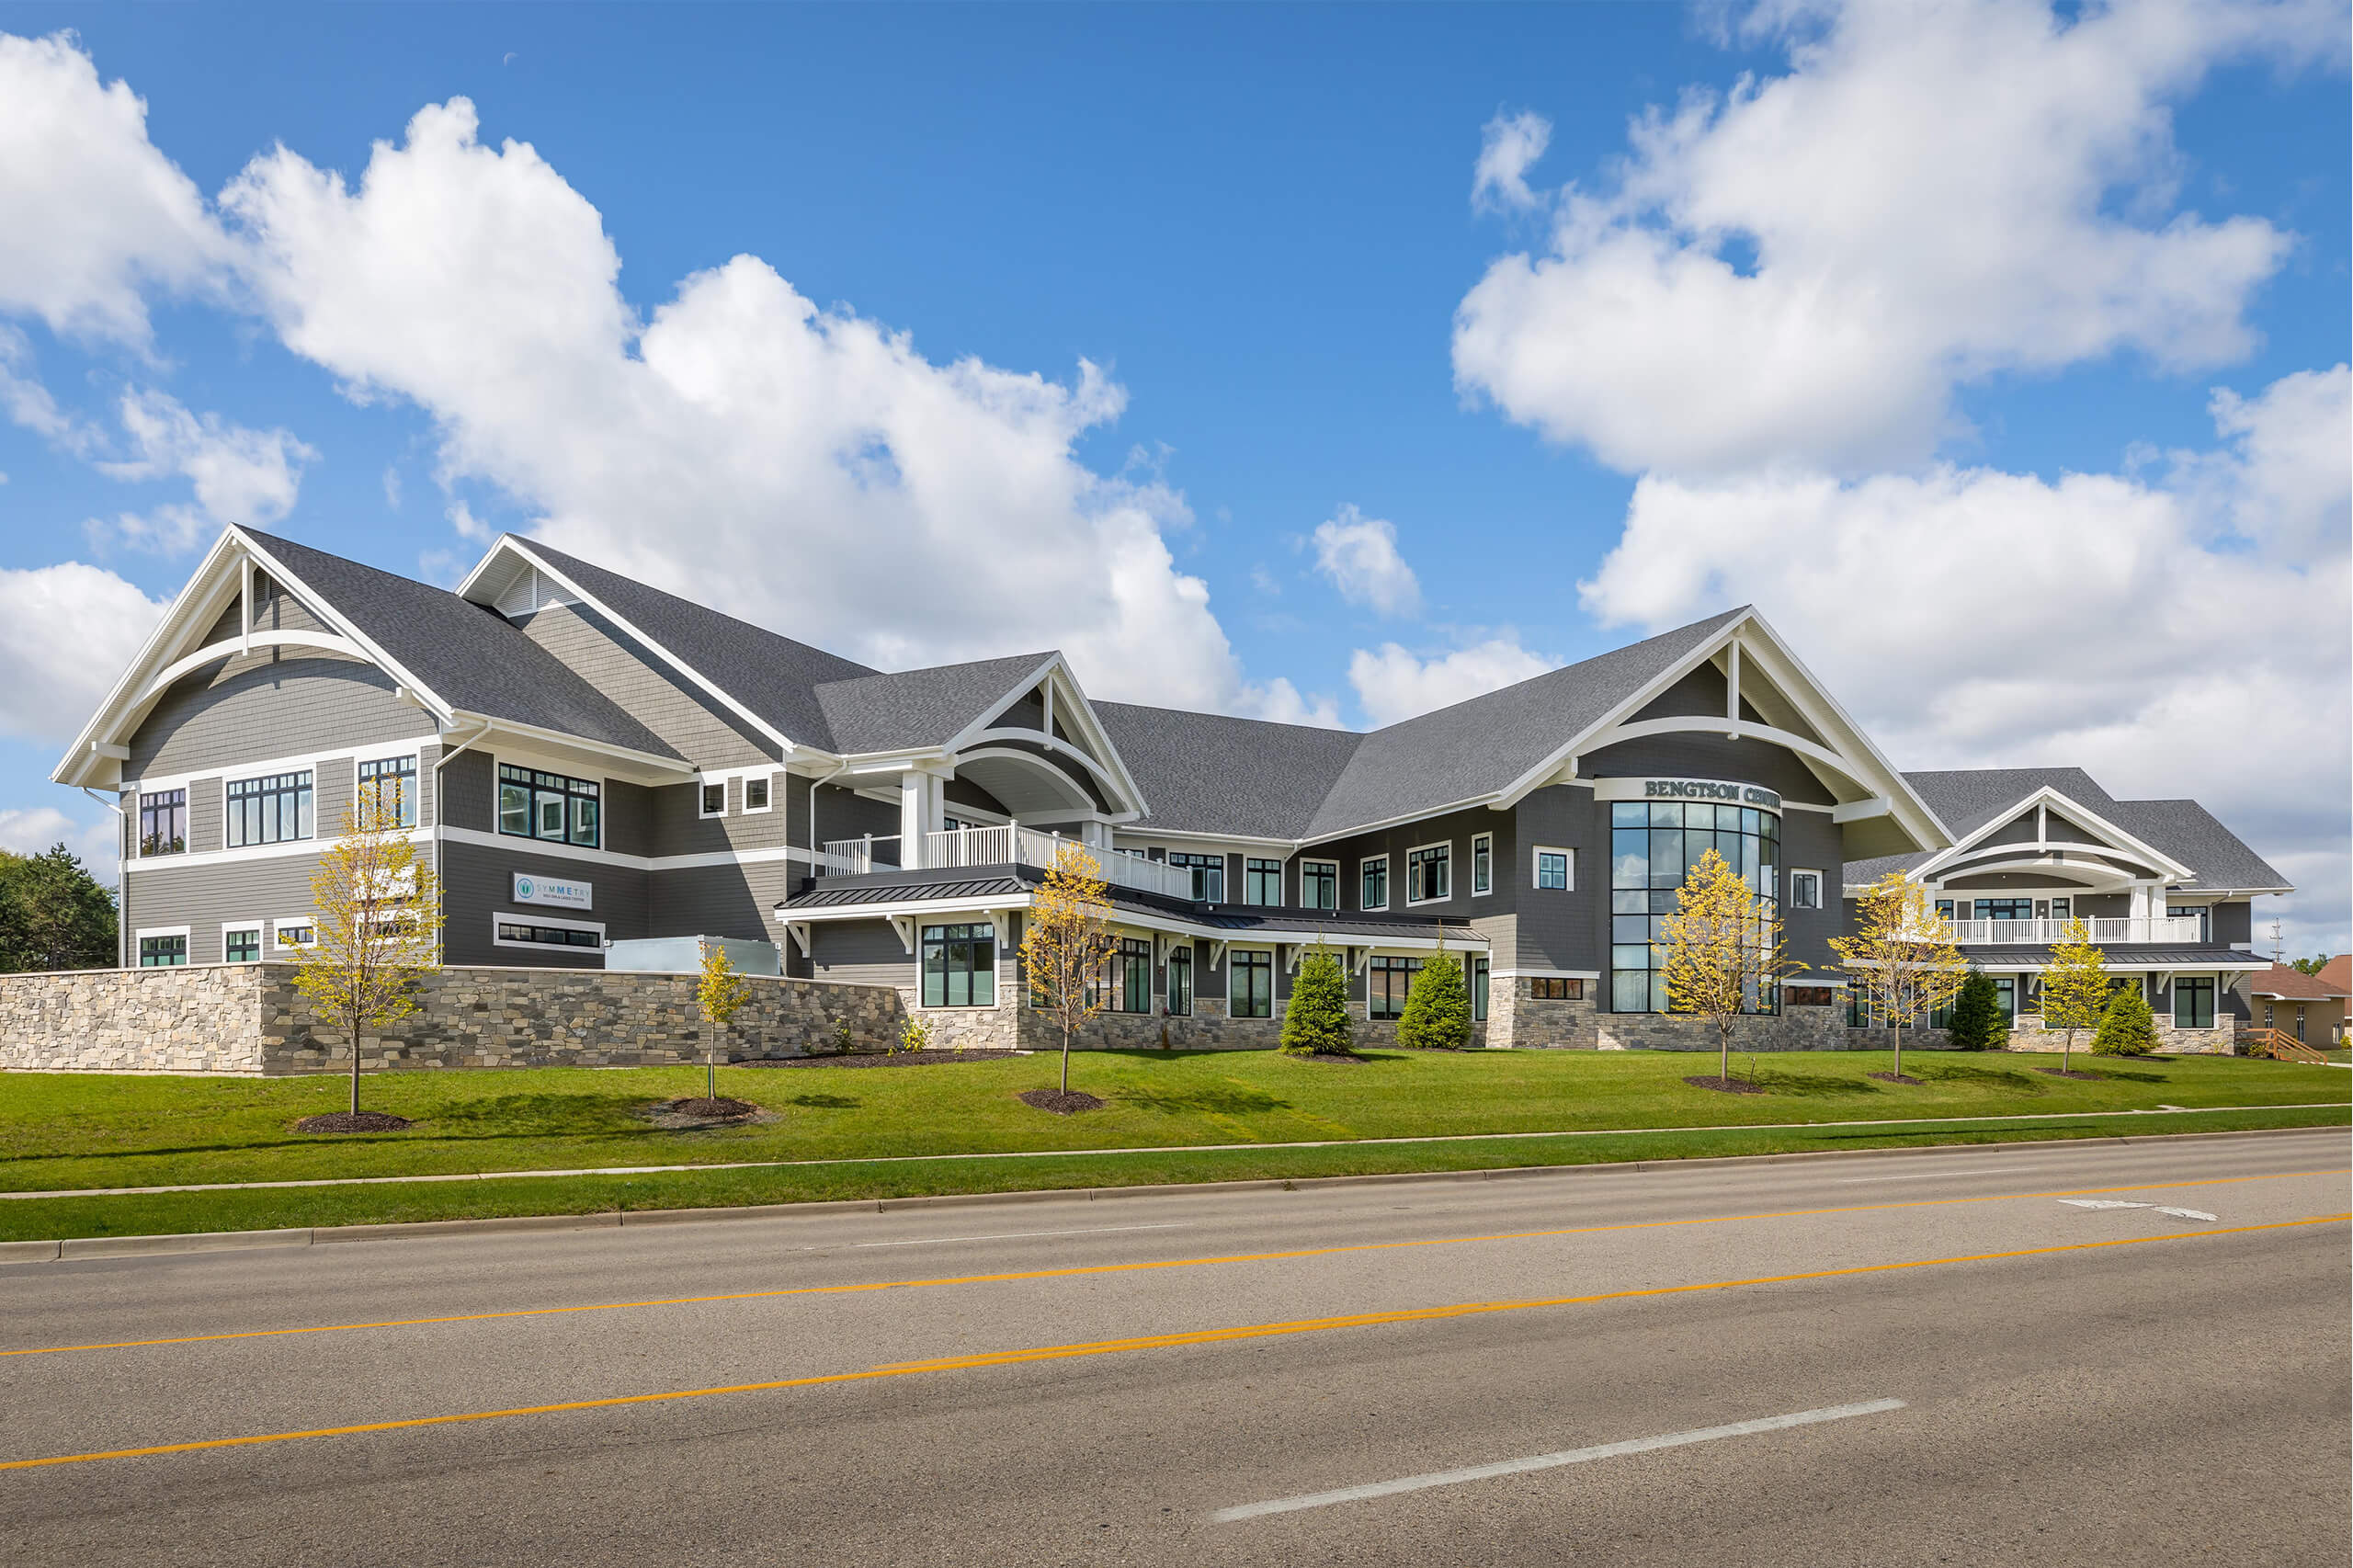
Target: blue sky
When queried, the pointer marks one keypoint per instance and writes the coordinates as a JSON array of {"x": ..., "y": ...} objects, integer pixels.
[{"x": 1927, "y": 370}]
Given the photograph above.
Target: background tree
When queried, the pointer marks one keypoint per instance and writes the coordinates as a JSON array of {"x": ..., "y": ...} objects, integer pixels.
[
  {"x": 2312, "y": 965},
  {"x": 1978, "y": 1022},
  {"x": 379, "y": 924},
  {"x": 1066, "y": 938},
  {"x": 1316, "y": 1020},
  {"x": 1900, "y": 961},
  {"x": 2127, "y": 1026},
  {"x": 1436, "y": 1015},
  {"x": 1724, "y": 950},
  {"x": 53, "y": 914},
  {"x": 2075, "y": 988},
  {"x": 722, "y": 993}
]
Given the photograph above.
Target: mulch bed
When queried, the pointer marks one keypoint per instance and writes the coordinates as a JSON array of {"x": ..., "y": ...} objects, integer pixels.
[
  {"x": 1727, "y": 1085},
  {"x": 2071, "y": 1073},
  {"x": 352, "y": 1121},
  {"x": 1060, "y": 1104},
  {"x": 1894, "y": 1077},
  {"x": 877, "y": 1059},
  {"x": 711, "y": 1110}
]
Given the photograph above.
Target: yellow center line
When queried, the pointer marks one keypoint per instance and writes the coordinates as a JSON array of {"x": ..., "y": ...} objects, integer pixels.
[
  {"x": 1096, "y": 1268},
  {"x": 1148, "y": 1342}
]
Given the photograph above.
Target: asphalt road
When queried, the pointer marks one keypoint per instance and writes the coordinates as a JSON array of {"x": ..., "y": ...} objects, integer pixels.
[{"x": 1129, "y": 1380}]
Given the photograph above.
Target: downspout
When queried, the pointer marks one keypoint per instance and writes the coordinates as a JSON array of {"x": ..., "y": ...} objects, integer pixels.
[
  {"x": 122, "y": 879},
  {"x": 839, "y": 769}
]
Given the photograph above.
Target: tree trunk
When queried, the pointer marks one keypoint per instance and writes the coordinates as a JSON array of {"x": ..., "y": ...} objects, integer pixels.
[
  {"x": 355, "y": 1061},
  {"x": 1724, "y": 1047},
  {"x": 1899, "y": 1048},
  {"x": 711, "y": 1074},
  {"x": 1065, "y": 1058}
]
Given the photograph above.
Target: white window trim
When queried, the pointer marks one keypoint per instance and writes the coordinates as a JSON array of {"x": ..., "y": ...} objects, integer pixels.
[
  {"x": 243, "y": 777},
  {"x": 521, "y": 917},
  {"x": 1445, "y": 844},
  {"x": 1820, "y": 884},
  {"x": 702, "y": 809},
  {"x": 1536, "y": 858},
  {"x": 273, "y": 944},
  {"x": 1281, "y": 865},
  {"x": 1476, "y": 839},
  {"x": 146, "y": 931},
  {"x": 1231, "y": 969},
  {"x": 1387, "y": 896},
  {"x": 750, "y": 810},
  {"x": 260, "y": 929},
  {"x": 1308, "y": 860},
  {"x": 414, "y": 755}
]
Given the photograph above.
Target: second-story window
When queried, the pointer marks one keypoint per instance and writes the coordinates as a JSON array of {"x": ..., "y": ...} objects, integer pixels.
[
  {"x": 1262, "y": 881},
  {"x": 1319, "y": 884},
  {"x": 274, "y": 809},
  {"x": 1482, "y": 863},
  {"x": 551, "y": 806},
  {"x": 388, "y": 791},
  {"x": 1208, "y": 875},
  {"x": 1429, "y": 873},
  {"x": 163, "y": 822},
  {"x": 1374, "y": 874},
  {"x": 755, "y": 794}
]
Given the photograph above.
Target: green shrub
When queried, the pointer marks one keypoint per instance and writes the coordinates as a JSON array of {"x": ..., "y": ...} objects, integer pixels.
[
  {"x": 1978, "y": 1022},
  {"x": 2128, "y": 1028},
  {"x": 1438, "y": 1009},
  {"x": 1316, "y": 1019}
]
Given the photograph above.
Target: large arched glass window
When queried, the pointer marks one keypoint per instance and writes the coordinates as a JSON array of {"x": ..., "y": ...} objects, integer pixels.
[{"x": 1653, "y": 847}]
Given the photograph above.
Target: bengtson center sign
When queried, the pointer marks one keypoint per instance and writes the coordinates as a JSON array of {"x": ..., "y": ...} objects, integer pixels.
[{"x": 1725, "y": 790}]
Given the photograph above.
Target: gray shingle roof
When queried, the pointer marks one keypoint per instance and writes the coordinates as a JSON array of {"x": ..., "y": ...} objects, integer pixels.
[
  {"x": 1209, "y": 773},
  {"x": 917, "y": 707},
  {"x": 469, "y": 656},
  {"x": 774, "y": 676},
  {"x": 1480, "y": 746},
  {"x": 1969, "y": 799}
]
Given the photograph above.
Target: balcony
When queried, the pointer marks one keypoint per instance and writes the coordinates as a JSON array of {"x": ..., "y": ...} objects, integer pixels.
[
  {"x": 2184, "y": 929},
  {"x": 1008, "y": 846}
]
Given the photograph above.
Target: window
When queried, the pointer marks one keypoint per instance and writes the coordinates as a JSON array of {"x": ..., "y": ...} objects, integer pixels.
[
  {"x": 959, "y": 965},
  {"x": 533, "y": 804},
  {"x": 714, "y": 800},
  {"x": 1482, "y": 863},
  {"x": 1180, "y": 980},
  {"x": 2199, "y": 911},
  {"x": 2006, "y": 909},
  {"x": 1126, "y": 983},
  {"x": 755, "y": 794},
  {"x": 1428, "y": 873},
  {"x": 534, "y": 934},
  {"x": 163, "y": 952},
  {"x": 1805, "y": 890},
  {"x": 1375, "y": 876},
  {"x": 1262, "y": 881},
  {"x": 1807, "y": 995},
  {"x": 1653, "y": 845},
  {"x": 2060, "y": 907},
  {"x": 1386, "y": 983},
  {"x": 297, "y": 934},
  {"x": 388, "y": 791},
  {"x": 1478, "y": 991},
  {"x": 1552, "y": 869},
  {"x": 163, "y": 822},
  {"x": 2193, "y": 1004},
  {"x": 271, "y": 810},
  {"x": 1944, "y": 908},
  {"x": 1556, "y": 988},
  {"x": 1319, "y": 884},
  {"x": 1208, "y": 875},
  {"x": 241, "y": 944},
  {"x": 1250, "y": 985}
]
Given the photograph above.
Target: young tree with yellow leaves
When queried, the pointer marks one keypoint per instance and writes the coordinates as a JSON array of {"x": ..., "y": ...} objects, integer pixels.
[
  {"x": 722, "y": 992},
  {"x": 378, "y": 927},
  {"x": 1724, "y": 951},
  {"x": 1902, "y": 963},
  {"x": 1066, "y": 938},
  {"x": 2075, "y": 988}
]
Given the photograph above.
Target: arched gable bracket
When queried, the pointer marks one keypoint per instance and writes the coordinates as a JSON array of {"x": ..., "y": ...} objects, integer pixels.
[
  {"x": 1066, "y": 708},
  {"x": 2112, "y": 841},
  {"x": 326, "y": 642},
  {"x": 2029, "y": 857},
  {"x": 1843, "y": 779}
]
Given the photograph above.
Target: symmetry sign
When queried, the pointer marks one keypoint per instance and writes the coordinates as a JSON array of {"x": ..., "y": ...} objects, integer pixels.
[
  {"x": 1725, "y": 790},
  {"x": 558, "y": 892}
]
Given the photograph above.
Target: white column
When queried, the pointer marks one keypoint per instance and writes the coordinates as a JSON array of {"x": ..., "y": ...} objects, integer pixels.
[{"x": 917, "y": 797}]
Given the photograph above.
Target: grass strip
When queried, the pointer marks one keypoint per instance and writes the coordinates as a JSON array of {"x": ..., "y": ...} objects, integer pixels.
[{"x": 290, "y": 1208}]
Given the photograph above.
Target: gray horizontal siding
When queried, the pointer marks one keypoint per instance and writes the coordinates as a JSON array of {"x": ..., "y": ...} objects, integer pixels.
[
  {"x": 1698, "y": 755},
  {"x": 203, "y": 898},
  {"x": 721, "y": 901},
  {"x": 1557, "y": 928},
  {"x": 478, "y": 884},
  {"x": 277, "y": 703},
  {"x": 865, "y": 952},
  {"x": 643, "y": 683},
  {"x": 468, "y": 796}
]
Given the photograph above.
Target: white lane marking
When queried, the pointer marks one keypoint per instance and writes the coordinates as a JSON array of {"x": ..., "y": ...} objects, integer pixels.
[
  {"x": 2187, "y": 1213},
  {"x": 1015, "y": 1235},
  {"x": 1549, "y": 1462},
  {"x": 2120, "y": 1203},
  {"x": 1931, "y": 1176}
]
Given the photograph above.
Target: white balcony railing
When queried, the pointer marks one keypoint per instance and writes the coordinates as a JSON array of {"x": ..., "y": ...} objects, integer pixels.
[
  {"x": 1006, "y": 846},
  {"x": 2183, "y": 928}
]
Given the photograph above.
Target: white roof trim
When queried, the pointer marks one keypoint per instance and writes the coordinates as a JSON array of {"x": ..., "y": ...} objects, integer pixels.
[
  {"x": 1098, "y": 754},
  {"x": 2083, "y": 815}
]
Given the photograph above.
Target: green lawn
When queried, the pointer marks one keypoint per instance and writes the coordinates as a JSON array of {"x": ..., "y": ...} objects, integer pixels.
[{"x": 74, "y": 1130}]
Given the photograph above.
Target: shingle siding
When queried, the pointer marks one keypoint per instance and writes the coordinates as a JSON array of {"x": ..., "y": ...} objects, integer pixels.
[
  {"x": 867, "y": 952},
  {"x": 276, "y": 703},
  {"x": 695, "y": 725},
  {"x": 204, "y": 897},
  {"x": 469, "y": 793},
  {"x": 2233, "y": 923},
  {"x": 723, "y": 901},
  {"x": 1555, "y": 928}
]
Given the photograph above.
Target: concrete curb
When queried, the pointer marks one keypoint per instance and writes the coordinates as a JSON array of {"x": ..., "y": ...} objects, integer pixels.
[{"x": 242, "y": 1241}]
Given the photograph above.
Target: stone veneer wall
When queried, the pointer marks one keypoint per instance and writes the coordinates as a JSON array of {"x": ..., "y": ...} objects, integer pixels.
[{"x": 249, "y": 1019}]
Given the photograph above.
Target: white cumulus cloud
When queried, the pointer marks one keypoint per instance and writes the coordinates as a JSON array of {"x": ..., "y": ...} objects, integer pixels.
[
  {"x": 1394, "y": 683},
  {"x": 1805, "y": 269},
  {"x": 1509, "y": 144},
  {"x": 1359, "y": 555},
  {"x": 67, "y": 633},
  {"x": 238, "y": 475}
]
